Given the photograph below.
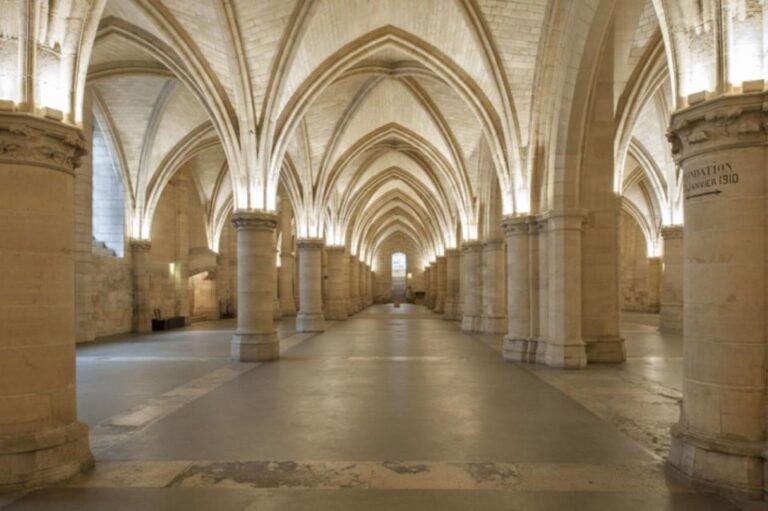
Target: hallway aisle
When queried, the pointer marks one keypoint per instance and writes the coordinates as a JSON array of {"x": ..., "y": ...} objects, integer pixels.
[{"x": 391, "y": 409}]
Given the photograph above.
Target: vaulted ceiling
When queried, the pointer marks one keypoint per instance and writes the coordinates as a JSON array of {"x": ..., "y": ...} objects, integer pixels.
[{"x": 393, "y": 117}]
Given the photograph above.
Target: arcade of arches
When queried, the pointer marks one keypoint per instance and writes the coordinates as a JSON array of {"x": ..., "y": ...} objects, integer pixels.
[{"x": 574, "y": 193}]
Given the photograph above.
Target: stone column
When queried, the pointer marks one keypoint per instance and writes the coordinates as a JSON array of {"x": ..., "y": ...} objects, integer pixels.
[
  {"x": 565, "y": 348},
  {"x": 427, "y": 288},
  {"x": 354, "y": 289},
  {"x": 287, "y": 260},
  {"x": 361, "y": 285},
  {"x": 473, "y": 286},
  {"x": 142, "y": 307},
  {"x": 494, "y": 315},
  {"x": 518, "y": 343},
  {"x": 722, "y": 147},
  {"x": 672, "y": 280},
  {"x": 337, "y": 306},
  {"x": 310, "y": 317},
  {"x": 654, "y": 283},
  {"x": 85, "y": 324},
  {"x": 433, "y": 276},
  {"x": 451, "y": 284},
  {"x": 181, "y": 252},
  {"x": 440, "y": 295},
  {"x": 41, "y": 440},
  {"x": 255, "y": 339},
  {"x": 367, "y": 284}
]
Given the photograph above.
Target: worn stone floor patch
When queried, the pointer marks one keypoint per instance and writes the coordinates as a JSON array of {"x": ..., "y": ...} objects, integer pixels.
[
  {"x": 381, "y": 475},
  {"x": 638, "y": 407}
]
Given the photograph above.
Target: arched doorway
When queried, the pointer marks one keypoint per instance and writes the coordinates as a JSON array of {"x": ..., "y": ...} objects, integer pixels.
[{"x": 399, "y": 276}]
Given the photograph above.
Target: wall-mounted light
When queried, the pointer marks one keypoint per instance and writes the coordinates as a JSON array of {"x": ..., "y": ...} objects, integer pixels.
[
  {"x": 171, "y": 268},
  {"x": 410, "y": 275}
]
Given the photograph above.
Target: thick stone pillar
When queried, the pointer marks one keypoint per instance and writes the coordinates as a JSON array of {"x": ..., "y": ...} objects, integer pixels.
[
  {"x": 337, "y": 306},
  {"x": 519, "y": 346},
  {"x": 310, "y": 317},
  {"x": 354, "y": 289},
  {"x": 142, "y": 308},
  {"x": 427, "y": 286},
  {"x": 255, "y": 339},
  {"x": 722, "y": 147},
  {"x": 473, "y": 286},
  {"x": 451, "y": 308},
  {"x": 494, "y": 315},
  {"x": 672, "y": 280},
  {"x": 564, "y": 347},
  {"x": 440, "y": 295},
  {"x": 41, "y": 440}
]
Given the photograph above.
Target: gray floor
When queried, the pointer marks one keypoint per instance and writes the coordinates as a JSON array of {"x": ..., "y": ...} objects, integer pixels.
[{"x": 392, "y": 409}]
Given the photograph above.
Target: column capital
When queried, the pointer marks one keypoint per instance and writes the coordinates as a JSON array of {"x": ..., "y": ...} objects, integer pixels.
[
  {"x": 440, "y": 259},
  {"x": 472, "y": 246},
  {"x": 672, "y": 232},
  {"x": 517, "y": 224},
  {"x": 316, "y": 243},
  {"x": 139, "y": 245},
  {"x": 36, "y": 141},
  {"x": 493, "y": 244},
  {"x": 452, "y": 252},
  {"x": 732, "y": 121},
  {"x": 566, "y": 219},
  {"x": 254, "y": 220}
]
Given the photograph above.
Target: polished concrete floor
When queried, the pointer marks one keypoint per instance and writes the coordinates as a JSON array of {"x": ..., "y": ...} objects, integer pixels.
[{"x": 391, "y": 409}]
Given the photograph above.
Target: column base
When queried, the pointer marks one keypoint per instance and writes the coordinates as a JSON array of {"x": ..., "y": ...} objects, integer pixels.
[
  {"x": 520, "y": 350},
  {"x": 494, "y": 324},
  {"x": 310, "y": 322},
  {"x": 470, "y": 323},
  {"x": 566, "y": 356},
  {"x": 336, "y": 310},
  {"x": 606, "y": 350},
  {"x": 450, "y": 311},
  {"x": 44, "y": 458},
  {"x": 255, "y": 347},
  {"x": 729, "y": 468}
]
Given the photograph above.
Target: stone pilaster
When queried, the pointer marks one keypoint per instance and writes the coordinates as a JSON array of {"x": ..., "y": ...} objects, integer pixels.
[
  {"x": 494, "y": 316},
  {"x": 427, "y": 288},
  {"x": 310, "y": 317},
  {"x": 672, "y": 280},
  {"x": 451, "y": 308},
  {"x": 255, "y": 339},
  {"x": 337, "y": 306},
  {"x": 722, "y": 147},
  {"x": 41, "y": 440},
  {"x": 655, "y": 271},
  {"x": 473, "y": 286},
  {"x": 142, "y": 307},
  {"x": 564, "y": 346}
]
